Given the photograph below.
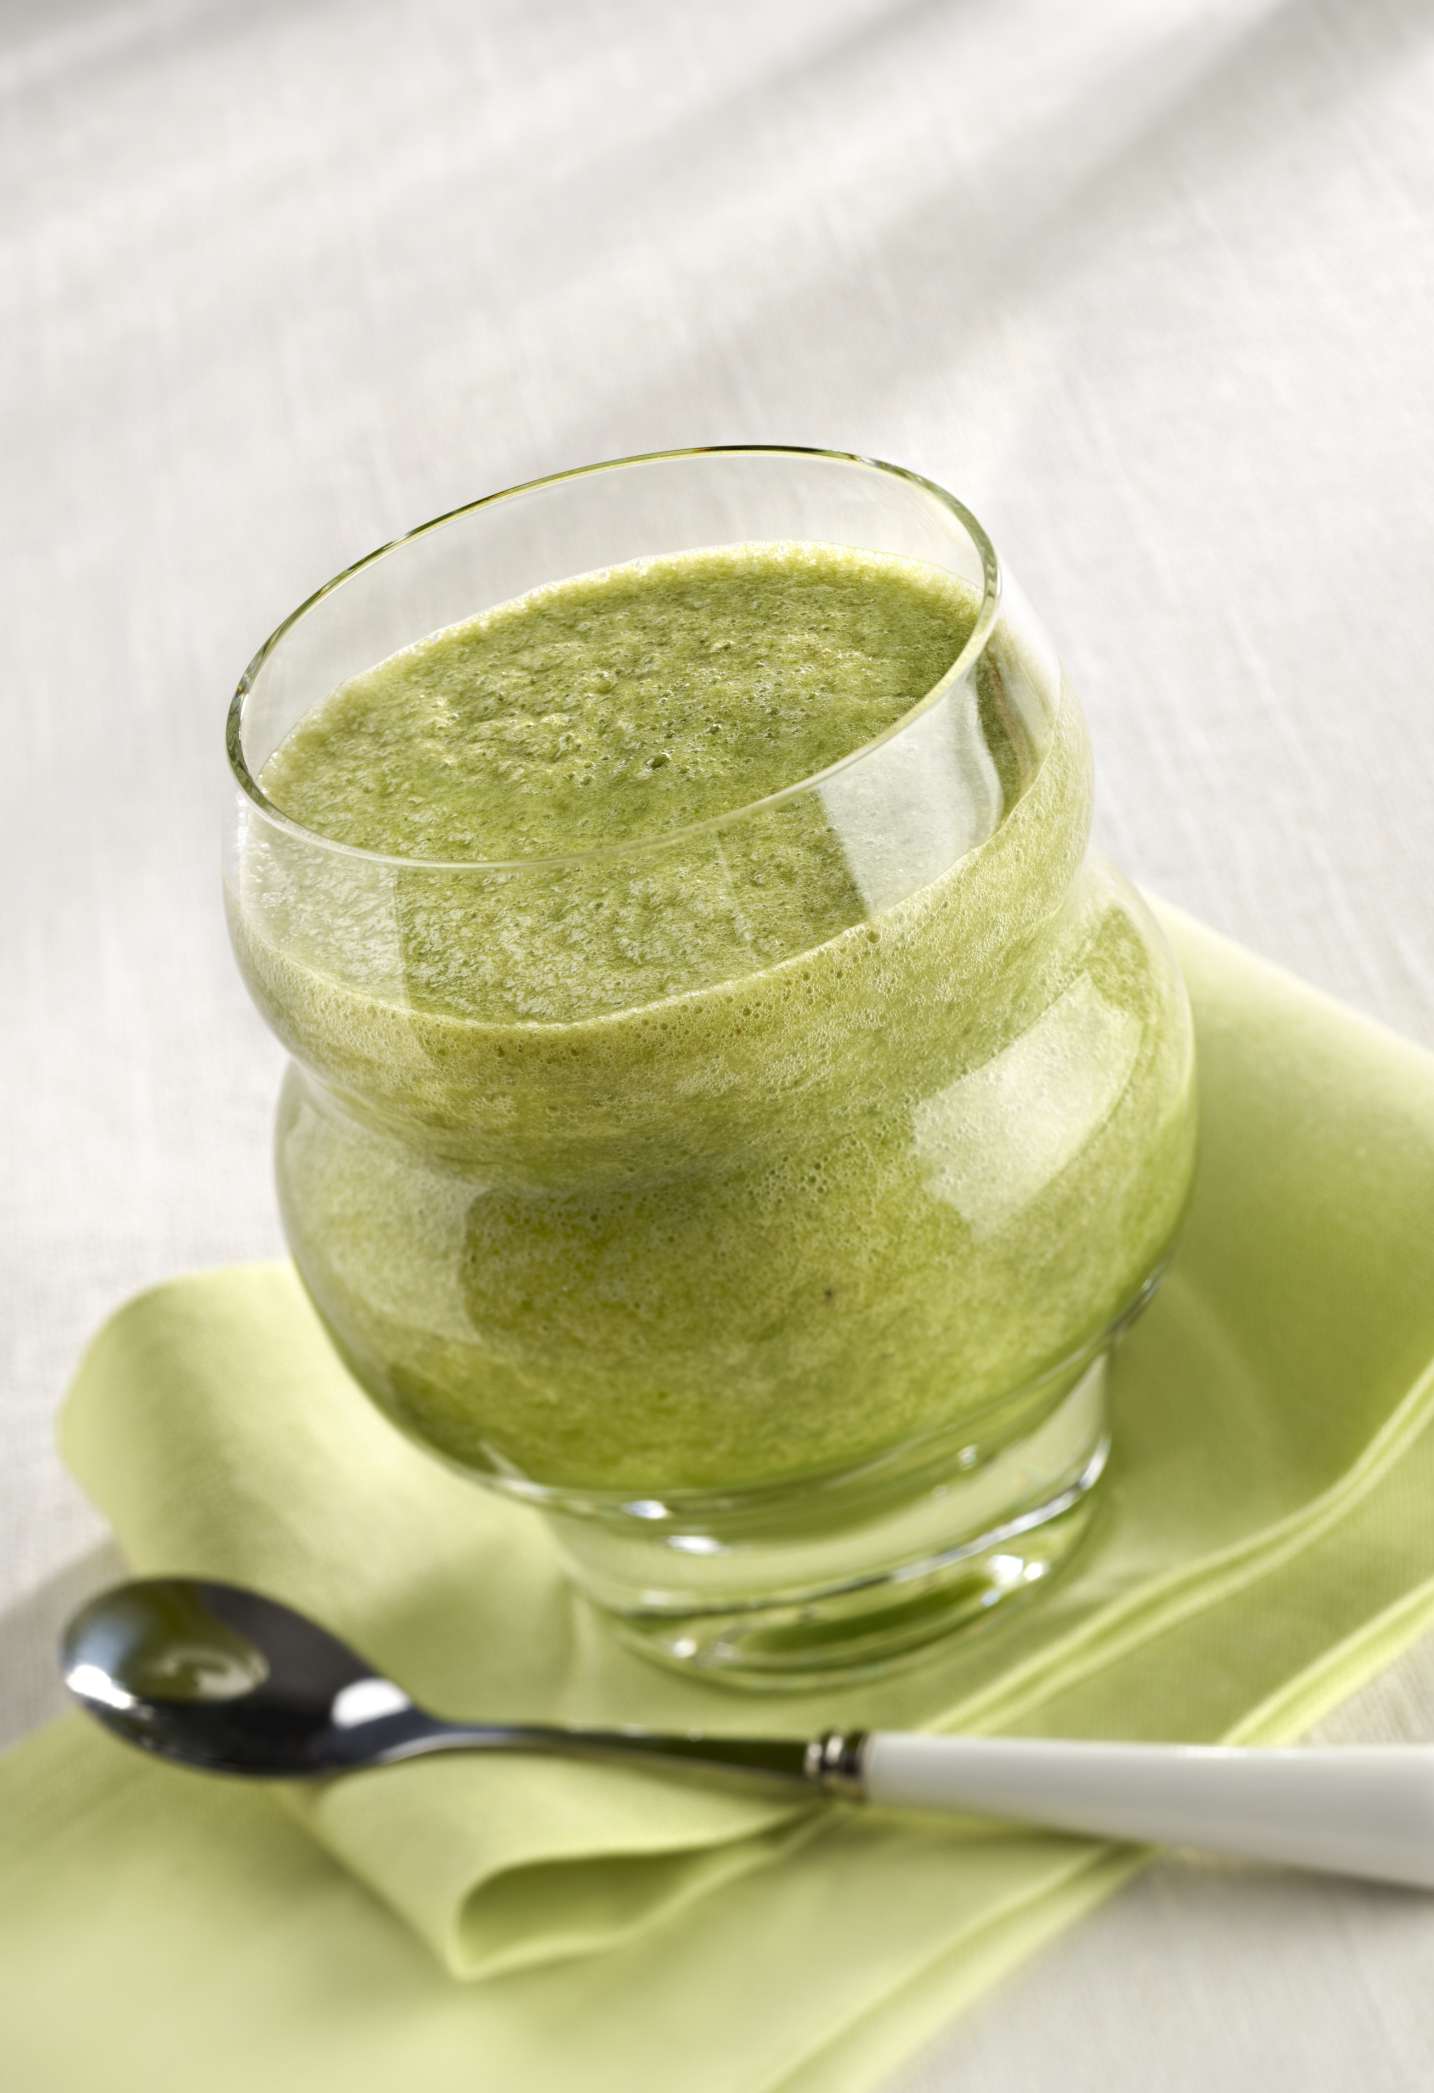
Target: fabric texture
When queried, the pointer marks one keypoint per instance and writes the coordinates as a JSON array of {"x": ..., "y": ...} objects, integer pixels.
[
  {"x": 1266, "y": 1543},
  {"x": 1149, "y": 286}
]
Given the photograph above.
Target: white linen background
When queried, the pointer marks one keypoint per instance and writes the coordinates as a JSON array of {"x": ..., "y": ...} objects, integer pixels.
[{"x": 1152, "y": 286}]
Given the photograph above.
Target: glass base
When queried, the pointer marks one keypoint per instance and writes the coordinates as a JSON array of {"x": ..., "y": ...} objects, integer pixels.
[{"x": 806, "y": 1585}]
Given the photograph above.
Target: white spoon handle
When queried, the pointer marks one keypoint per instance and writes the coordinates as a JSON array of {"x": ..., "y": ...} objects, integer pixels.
[{"x": 1356, "y": 1810}]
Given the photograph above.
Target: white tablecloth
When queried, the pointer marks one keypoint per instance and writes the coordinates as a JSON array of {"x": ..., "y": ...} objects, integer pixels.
[{"x": 1150, "y": 285}]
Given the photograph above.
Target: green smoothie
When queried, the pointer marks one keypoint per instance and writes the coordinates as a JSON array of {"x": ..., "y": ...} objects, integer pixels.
[{"x": 656, "y": 1127}]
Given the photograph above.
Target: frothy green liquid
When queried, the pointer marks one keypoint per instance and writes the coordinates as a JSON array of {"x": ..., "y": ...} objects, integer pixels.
[
  {"x": 620, "y": 706},
  {"x": 766, "y": 1141}
]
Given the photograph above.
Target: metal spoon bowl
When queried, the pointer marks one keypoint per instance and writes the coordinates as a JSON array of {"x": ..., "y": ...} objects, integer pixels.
[{"x": 213, "y": 1676}]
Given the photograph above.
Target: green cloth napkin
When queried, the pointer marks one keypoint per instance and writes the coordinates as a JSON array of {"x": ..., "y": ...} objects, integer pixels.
[{"x": 1267, "y": 1542}]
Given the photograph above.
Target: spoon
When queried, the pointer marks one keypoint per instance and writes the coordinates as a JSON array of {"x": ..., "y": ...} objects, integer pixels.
[{"x": 215, "y": 1677}]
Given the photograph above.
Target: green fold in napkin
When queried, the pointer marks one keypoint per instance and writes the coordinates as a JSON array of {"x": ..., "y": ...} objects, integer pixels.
[{"x": 1267, "y": 1542}]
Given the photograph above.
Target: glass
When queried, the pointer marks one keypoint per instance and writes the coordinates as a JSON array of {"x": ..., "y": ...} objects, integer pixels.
[{"x": 775, "y": 1253}]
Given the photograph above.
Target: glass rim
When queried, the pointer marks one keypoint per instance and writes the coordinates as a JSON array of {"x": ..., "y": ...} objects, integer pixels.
[{"x": 959, "y": 670}]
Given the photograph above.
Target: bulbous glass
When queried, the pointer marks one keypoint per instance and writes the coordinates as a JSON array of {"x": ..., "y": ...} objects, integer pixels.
[{"x": 775, "y": 1253}]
